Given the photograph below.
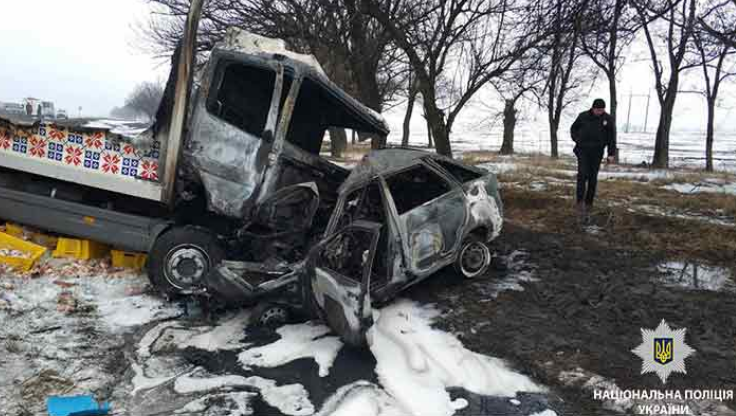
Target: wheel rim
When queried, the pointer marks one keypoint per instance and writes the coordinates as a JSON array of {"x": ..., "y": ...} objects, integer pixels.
[
  {"x": 186, "y": 265},
  {"x": 275, "y": 315},
  {"x": 474, "y": 258}
]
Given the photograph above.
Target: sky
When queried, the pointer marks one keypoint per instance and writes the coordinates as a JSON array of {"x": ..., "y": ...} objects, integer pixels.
[
  {"x": 84, "y": 53},
  {"x": 74, "y": 53}
]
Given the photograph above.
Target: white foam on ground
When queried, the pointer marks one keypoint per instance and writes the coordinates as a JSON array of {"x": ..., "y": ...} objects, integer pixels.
[
  {"x": 142, "y": 382},
  {"x": 232, "y": 404},
  {"x": 290, "y": 399},
  {"x": 361, "y": 398},
  {"x": 416, "y": 363},
  {"x": 297, "y": 341},
  {"x": 547, "y": 412}
]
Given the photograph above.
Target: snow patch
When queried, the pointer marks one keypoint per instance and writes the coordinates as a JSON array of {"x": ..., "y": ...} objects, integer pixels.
[
  {"x": 297, "y": 341},
  {"x": 416, "y": 363},
  {"x": 130, "y": 311},
  {"x": 703, "y": 187}
]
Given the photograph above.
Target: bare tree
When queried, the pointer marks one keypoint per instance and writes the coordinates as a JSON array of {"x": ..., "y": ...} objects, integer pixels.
[
  {"x": 610, "y": 27},
  {"x": 144, "y": 100},
  {"x": 354, "y": 50},
  {"x": 563, "y": 74},
  {"x": 670, "y": 22},
  {"x": 477, "y": 39},
  {"x": 526, "y": 76},
  {"x": 719, "y": 20},
  {"x": 713, "y": 56}
]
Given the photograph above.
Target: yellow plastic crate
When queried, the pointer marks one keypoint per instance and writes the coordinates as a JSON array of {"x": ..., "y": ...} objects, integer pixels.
[
  {"x": 128, "y": 259},
  {"x": 80, "y": 249},
  {"x": 14, "y": 229},
  {"x": 33, "y": 252}
]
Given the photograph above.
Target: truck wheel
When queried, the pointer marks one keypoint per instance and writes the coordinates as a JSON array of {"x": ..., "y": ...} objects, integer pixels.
[
  {"x": 181, "y": 258},
  {"x": 474, "y": 257}
]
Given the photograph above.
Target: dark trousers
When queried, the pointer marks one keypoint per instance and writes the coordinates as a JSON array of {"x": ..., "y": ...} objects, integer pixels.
[{"x": 589, "y": 162}]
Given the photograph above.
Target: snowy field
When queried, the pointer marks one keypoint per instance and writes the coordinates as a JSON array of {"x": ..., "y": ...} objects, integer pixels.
[{"x": 477, "y": 129}]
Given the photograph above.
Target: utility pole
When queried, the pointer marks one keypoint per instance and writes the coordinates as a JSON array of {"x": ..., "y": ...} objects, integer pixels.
[
  {"x": 628, "y": 113},
  {"x": 646, "y": 114}
]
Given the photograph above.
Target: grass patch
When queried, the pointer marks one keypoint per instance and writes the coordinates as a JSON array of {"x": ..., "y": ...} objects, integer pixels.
[{"x": 547, "y": 211}]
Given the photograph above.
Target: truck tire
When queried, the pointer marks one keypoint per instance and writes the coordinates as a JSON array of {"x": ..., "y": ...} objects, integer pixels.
[
  {"x": 474, "y": 257},
  {"x": 181, "y": 258}
]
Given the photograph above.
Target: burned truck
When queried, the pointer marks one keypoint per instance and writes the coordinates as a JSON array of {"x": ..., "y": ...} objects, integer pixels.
[{"x": 228, "y": 194}]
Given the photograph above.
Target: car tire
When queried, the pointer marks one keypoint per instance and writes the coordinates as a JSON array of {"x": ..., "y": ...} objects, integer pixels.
[
  {"x": 474, "y": 257},
  {"x": 181, "y": 258},
  {"x": 270, "y": 315}
]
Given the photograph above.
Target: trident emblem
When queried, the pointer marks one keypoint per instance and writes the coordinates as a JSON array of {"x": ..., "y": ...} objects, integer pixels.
[{"x": 663, "y": 350}]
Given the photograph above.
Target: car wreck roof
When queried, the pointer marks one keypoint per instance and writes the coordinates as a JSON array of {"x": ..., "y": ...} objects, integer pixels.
[{"x": 387, "y": 161}]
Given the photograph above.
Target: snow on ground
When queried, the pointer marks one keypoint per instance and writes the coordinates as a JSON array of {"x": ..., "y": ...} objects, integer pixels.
[
  {"x": 696, "y": 276},
  {"x": 417, "y": 363},
  {"x": 712, "y": 186},
  {"x": 57, "y": 329}
]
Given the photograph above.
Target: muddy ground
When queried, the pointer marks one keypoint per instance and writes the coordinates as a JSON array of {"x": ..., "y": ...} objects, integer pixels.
[{"x": 585, "y": 311}]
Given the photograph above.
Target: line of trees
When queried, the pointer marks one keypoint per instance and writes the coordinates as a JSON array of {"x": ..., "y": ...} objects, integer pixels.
[{"x": 442, "y": 53}]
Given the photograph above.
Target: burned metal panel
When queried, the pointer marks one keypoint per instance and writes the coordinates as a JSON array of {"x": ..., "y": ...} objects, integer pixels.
[
  {"x": 230, "y": 162},
  {"x": 484, "y": 206},
  {"x": 182, "y": 89},
  {"x": 434, "y": 230}
]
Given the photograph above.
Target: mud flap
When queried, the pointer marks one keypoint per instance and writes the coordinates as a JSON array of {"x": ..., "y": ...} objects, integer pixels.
[{"x": 340, "y": 279}]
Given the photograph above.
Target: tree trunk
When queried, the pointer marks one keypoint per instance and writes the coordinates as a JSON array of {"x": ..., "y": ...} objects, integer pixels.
[
  {"x": 661, "y": 157},
  {"x": 709, "y": 135},
  {"x": 338, "y": 141},
  {"x": 509, "y": 124},
  {"x": 612, "y": 97},
  {"x": 553, "y": 140},
  {"x": 436, "y": 122},
  {"x": 407, "y": 117},
  {"x": 554, "y": 126},
  {"x": 430, "y": 143}
]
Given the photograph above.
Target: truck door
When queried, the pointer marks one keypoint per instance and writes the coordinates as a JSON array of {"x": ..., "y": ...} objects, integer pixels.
[
  {"x": 340, "y": 270},
  {"x": 232, "y": 132}
]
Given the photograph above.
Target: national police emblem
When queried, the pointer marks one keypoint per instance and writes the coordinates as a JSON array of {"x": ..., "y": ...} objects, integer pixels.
[{"x": 663, "y": 351}]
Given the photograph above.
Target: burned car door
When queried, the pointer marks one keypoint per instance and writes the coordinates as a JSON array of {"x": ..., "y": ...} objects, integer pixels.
[
  {"x": 432, "y": 214},
  {"x": 232, "y": 131},
  {"x": 340, "y": 271}
]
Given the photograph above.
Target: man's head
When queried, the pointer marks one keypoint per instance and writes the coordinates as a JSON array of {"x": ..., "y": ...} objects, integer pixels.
[{"x": 599, "y": 106}]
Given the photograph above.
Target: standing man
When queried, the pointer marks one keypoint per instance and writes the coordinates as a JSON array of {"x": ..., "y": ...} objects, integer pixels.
[{"x": 592, "y": 131}]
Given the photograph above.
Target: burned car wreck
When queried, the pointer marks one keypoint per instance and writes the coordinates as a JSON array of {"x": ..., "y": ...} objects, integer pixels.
[{"x": 400, "y": 216}]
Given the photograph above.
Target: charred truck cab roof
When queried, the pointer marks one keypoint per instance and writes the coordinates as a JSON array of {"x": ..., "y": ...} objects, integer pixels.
[{"x": 259, "y": 121}]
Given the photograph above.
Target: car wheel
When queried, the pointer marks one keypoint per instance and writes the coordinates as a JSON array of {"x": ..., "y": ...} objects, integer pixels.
[
  {"x": 270, "y": 315},
  {"x": 474, "y": 257},
  {"x": 181, "y": 258}
]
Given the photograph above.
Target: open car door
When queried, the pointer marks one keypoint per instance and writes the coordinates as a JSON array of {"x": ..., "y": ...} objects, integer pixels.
[{"x": 340, "y": 268}]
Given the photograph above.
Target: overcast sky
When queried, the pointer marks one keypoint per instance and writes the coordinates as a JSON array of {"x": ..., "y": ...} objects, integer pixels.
[
  {"x": 74, "y": 53},
  {"x": 83, "y": 53}
]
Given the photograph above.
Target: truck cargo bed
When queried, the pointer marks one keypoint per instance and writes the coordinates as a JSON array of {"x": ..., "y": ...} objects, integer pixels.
[{"x": 110, "y": 155}]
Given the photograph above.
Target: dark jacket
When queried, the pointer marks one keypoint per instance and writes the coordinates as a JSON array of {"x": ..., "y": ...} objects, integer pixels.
[{"x": 591, "y": 131}]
